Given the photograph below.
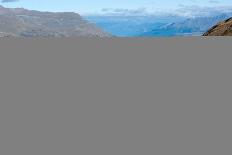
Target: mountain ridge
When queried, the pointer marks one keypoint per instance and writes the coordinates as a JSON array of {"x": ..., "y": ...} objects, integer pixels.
[
  {"x": 188, "y": 27},
  {"x": 223, "y": 28},
  {"x": 21, "y": 22}
]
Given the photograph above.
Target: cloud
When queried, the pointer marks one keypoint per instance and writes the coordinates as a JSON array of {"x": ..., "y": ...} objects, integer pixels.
[
  {"x": 8, "y": 1},
  {"x": 189, "y": 11},
  {"x": 214, "y": 1},
  {"x": 125, "y": 12},
  {"x": 196, "y": 11}
]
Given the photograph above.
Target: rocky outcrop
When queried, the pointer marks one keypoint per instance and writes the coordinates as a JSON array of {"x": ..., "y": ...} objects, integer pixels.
[{"x": 223, "y": 28}]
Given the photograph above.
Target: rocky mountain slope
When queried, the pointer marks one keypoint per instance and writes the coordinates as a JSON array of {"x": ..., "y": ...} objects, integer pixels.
[
  {"x": 223, "y": 28},
  {"x": 29, "y": 23}
]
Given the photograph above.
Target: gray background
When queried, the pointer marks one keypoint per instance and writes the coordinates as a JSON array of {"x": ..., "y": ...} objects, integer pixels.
[{"x": 117, "y": 96}]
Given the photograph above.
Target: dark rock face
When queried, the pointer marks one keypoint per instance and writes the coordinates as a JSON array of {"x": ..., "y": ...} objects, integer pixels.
[
  {"x": 28, "y": 23},
  {"x": 223, "y": 28}
]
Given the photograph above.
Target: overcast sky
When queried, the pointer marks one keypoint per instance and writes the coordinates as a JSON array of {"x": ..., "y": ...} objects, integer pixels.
[{"x": 90, "y": 6}]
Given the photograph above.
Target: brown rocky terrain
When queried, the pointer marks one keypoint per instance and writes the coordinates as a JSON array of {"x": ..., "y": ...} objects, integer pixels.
[
  {"x": 20, "y": 22},
  {"x": 223, "y": 28}
]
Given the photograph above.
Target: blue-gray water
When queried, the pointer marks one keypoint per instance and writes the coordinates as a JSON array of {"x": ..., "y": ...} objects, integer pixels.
[{"x": 131, "y": 26}]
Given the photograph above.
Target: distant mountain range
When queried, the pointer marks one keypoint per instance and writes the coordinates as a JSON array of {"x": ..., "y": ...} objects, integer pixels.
[
  {"x": 188, "y": 27},
  {"x": 131, "y": 26},
  {"x": 28, "y": 23},
  {"x": 223, "y": 28},
  {"x": 157, "y": 26}
]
